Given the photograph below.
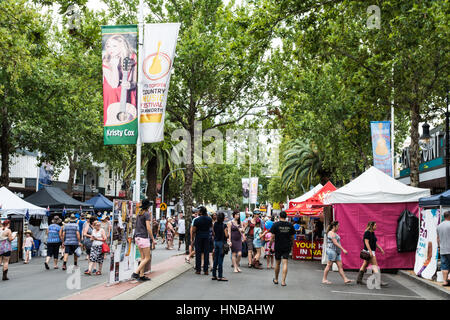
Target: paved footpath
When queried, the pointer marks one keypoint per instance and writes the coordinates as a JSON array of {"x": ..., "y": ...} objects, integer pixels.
[
  {"x": 33, "y": 282},
  {"x": 303, "y": 283}
]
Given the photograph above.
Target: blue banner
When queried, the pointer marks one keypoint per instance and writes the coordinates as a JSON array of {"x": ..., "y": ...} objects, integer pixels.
[
  {"x": 45, "y": 175},
  {"x": 381, "y": 146}
]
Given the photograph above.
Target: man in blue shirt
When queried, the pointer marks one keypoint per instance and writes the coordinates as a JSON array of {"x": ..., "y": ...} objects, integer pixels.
[
  {"x": 200, "y": 232},
  {"x": 71, "y": 240}
]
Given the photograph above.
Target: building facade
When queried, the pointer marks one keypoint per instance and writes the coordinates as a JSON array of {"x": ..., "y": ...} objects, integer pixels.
[{"x": 24, "y": 174}]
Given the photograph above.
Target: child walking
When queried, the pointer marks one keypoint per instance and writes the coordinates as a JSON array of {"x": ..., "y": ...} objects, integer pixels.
[
  {"x": 28, "y": 245},
  {"x": 268, "y": 252}
]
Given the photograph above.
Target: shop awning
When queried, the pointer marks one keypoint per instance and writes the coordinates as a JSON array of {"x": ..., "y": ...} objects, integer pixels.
[
  {"x": 100, "y": 202},
  {"x": 292, "y": 203},
  {"x": 12, "y": 204}
]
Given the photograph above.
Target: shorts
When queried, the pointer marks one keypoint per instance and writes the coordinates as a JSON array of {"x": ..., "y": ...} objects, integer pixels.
[
  {"x": 142, "y": 242},
  {"x": 6, "y": 254},
  {"x": 333, "y": 255},
  {"x": 70, "y": 248},
  {"x": 181, "y": 236},
  {"x": 249, "y": 241},
  {"x": 282, "y": 255},
  {"x": 53, "y": 250},
  {"x": 162, "y": 233},
  {"x": 445, "y": 262},
  {"x": 28, "y": 248}
]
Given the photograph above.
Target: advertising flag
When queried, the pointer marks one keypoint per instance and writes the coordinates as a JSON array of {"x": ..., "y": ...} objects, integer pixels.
[
  {"x": 245, "y": 189},
  {"x": 253, "y": 190},
  {"x": 381, "y": 146},
  {"x": 159, "y": 50},
  {"x": 119, "y": 64}
]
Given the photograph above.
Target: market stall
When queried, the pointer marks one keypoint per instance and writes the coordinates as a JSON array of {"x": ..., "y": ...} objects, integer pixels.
[
  {"x": 58, "y": 201},
  {"x": 307, "y": 248},
  {"x": 100, "y": 203},
  {"x": 302, "y": 198},
  {"x": 374, "y": 196},
  {"x": 23, "y": 216},
  {"x": 431, "y": 214}
]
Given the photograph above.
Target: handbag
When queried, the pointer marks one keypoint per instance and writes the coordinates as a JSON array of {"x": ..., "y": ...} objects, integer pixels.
[
  {"x": 226, "y": 248},
  {"x": 105, "y": 248},
  {"x": 365, "y": 255}
]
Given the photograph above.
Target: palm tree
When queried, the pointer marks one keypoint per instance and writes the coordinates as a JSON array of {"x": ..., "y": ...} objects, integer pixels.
[{"x": 303, "y": 165}]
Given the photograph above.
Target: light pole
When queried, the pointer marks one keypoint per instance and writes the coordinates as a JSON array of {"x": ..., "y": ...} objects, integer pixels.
[
  {"x": 84, "y": 185},
  {"x": 447, "y": 149}
]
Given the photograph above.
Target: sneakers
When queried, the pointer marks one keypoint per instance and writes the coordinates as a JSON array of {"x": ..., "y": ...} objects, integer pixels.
[
  {"x": 134, "y": 276},
  {"x": 143, "y": 279}
]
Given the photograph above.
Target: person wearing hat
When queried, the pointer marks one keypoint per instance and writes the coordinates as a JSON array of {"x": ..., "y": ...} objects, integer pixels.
[
  {"x": 106, "y": 226},
  {"x": 53, "y": 242},
  {"x": 71, "y": 240},
  {"x": 28, "y": 245},
  {"x": 143, "y": 234}
]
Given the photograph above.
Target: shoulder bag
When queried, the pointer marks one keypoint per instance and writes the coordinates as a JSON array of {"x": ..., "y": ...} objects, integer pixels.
[{"x": 365, "y": 255}]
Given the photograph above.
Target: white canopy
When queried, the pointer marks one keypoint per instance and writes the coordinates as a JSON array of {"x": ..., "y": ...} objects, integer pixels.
[
  {"x": 12, "y": 204},
  {"x": 307, "y": 195},
  {"x": 374, "y": 186}
]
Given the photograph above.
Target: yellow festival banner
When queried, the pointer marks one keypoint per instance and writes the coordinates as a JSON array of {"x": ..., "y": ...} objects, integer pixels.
[{"x": 159, "y": 50}]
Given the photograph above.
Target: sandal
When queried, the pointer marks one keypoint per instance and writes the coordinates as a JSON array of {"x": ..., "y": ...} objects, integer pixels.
[
  {"x": 284, "y": 285},
  {"x": 222, "y": 279},
  {"x": 326, "y": 282},
  {"x": 348, "y": 281},
  {"x": 214, "y": 278},
  {"x": 88, "y": 273},
  {"x": 56, "y": 267},
  {"x": 274, "y": 282},
  {"x": 98, "y": 273}
]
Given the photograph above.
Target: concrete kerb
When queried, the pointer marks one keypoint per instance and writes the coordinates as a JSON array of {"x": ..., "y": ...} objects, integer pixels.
[
  {"x": 144, "y": 288},
  {"x": 432, "y": 286}
]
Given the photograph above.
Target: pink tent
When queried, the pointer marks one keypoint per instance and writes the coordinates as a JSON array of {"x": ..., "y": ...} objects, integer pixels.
[{"x": 374, "y": 196}]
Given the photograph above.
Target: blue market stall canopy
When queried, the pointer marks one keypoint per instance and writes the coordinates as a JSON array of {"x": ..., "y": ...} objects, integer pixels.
[
  {"x": 442, "y": 199},
  {"x": 100, "y": 202},
  {"x": 56, "y": 198}
]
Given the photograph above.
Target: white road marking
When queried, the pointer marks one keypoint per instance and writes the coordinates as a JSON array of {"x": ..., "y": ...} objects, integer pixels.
[{"x": 379, "y": 294}]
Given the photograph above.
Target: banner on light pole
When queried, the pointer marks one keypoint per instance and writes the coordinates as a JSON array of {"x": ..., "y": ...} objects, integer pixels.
[
  {"x": 119, "y": 55},
  {"x": 159, "y": 50},
  {"x": 253, "y": 190},
  {"x": 381, "y": 146}
]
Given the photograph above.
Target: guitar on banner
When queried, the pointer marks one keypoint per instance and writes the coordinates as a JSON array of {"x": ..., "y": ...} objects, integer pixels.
[{"x": 122, "y": 112}]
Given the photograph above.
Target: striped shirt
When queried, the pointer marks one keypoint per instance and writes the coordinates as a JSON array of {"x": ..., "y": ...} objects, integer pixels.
[
  {"x": 53, "y": 233},
  {"x": 71, "y": 230}
]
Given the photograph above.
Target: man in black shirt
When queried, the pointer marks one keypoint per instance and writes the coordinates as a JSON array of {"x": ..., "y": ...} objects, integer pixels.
[
  {"x": 200, "y": 231},
  {"x": 283, "y": 235}
]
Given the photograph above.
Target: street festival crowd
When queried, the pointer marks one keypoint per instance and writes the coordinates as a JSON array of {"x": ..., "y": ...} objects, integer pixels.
[{"x": 212, "y": 238}]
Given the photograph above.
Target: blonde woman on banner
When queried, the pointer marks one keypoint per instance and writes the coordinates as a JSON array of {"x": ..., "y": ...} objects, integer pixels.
[
  {"x": 117, "y": 49},
  {"x": 143, "y": 233}
]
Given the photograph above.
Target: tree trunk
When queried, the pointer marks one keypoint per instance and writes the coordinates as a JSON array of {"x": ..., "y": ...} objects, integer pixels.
[
  {"x": 72, "y": 168},
  {"x": 188, "y": 197},
  {"x": 4, "y": 145},
  {"x": 151, "y": 178},
  {"x": 414, "y": 147}
]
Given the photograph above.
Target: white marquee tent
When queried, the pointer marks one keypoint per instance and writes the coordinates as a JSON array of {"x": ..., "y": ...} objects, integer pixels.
[
  {"x": 374, "y": 186},
  {"x": 12, "y": 204}
]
